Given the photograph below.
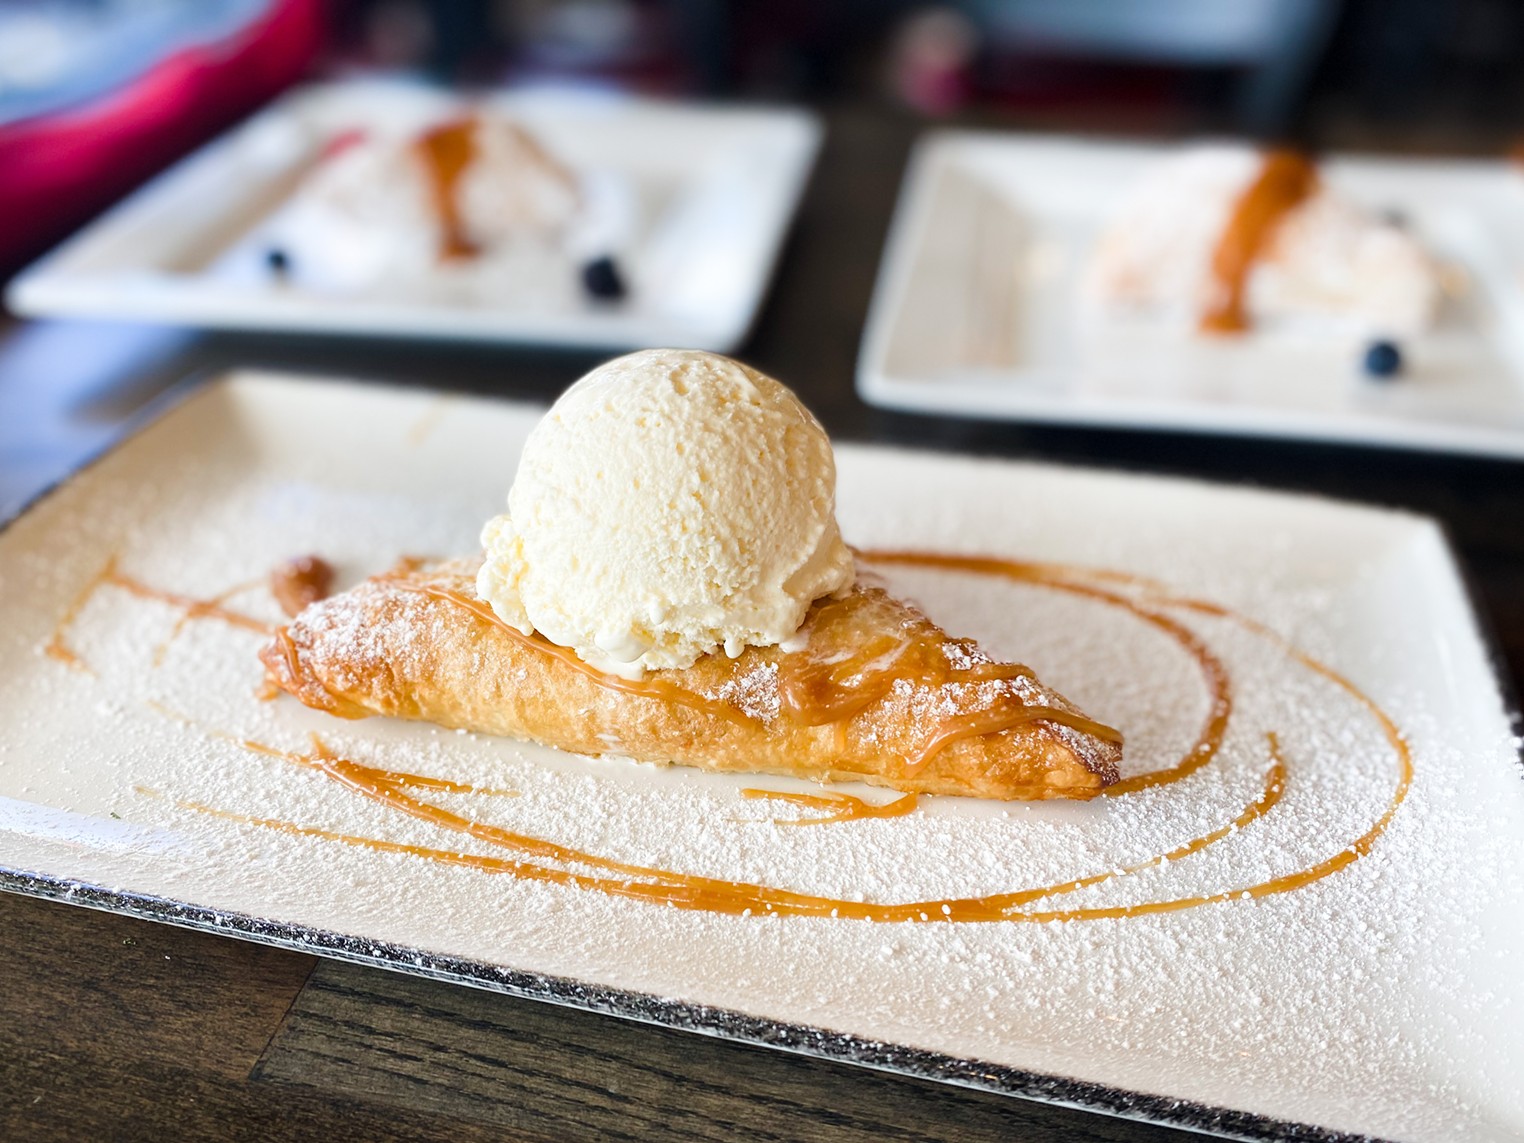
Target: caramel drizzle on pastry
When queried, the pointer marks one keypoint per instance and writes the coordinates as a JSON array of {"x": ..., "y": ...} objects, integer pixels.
[
  {"x": 1285, "y": 180},
  {"x": 1076, "y": 581},
  {"x": 816, "y": 693},
  {"x": 655, "y": 688}
]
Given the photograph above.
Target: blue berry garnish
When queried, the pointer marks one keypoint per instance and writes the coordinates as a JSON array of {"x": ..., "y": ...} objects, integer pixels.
[
  {"x": 277, "y": 261},
  {"x": 1383, "y": 359},
  {"x": 601, "y": 278}
]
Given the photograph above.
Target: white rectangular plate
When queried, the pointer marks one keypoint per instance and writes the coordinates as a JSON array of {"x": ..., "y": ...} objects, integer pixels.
[
  {"x": 1382, "y": 998},
  {"x": 975, "y": 311},
  {"x": 716, "y": 188}
]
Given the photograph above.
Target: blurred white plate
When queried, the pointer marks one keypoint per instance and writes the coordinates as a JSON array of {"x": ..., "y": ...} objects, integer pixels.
[
  {"x": 1384, "y": 999},
  {"x": 975, "y": 312},
  {"x": 715, "y": 188}
]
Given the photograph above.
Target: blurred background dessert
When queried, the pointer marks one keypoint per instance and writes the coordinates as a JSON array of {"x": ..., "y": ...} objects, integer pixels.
[
  {"x": 95, "y": 95},
  {"x": 470, "y": 202},
  {"x": 1225, "y": 239}
]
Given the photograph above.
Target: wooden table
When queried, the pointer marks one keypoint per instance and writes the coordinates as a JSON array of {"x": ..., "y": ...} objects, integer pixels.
[{"x": 117, "y": 1028}]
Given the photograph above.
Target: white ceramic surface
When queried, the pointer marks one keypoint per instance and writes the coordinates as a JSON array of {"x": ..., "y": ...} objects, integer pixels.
[
  {"x": 975, "y": 312},
  {"x": 1383, "y": 999},
  {"x": 714, "y": 188}
]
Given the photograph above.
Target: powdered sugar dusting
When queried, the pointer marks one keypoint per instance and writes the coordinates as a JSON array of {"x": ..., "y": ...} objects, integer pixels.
[{"x": 1379, "y": 999}]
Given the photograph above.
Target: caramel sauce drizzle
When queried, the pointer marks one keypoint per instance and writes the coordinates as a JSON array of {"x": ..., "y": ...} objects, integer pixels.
[
  {"x": 812, "y": 692},
  {"x": 56, "y": 647},
  {"x": 447, "y": 150},
  {"x": 110, "y": 574},
  {"x": 624, "y": 879},
  {"x": 1285, "y": 180},
  {"x": 715, "y": 895},
  {"x": 192, "y": 607},
  {"x": 739, "y": 898},
  {"x": 1072, "y": 580},
  {"x": 816, "y": 691},
  {"x": 219, "y": 600},
  {"x": 321, "y": 757},
  {"x": 838, "y": 807}
]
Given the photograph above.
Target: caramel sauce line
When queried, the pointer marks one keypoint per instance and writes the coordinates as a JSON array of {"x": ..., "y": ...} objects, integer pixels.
[
  {"x": 370, "y": 783},
  {"x": 398, "y": 777},
  {"x": 1287, "y": 882},
  {"x": 192, "y": 607},
  {"x": 1285, "y": 180},
  {"x": 402, "y": 778},
  {"x": 996, "y": 720},
  {"x": 186, "y": 616},
  {"x": 841, "y": 701},
  {"x": 56, "y": 647},
  {"x": 446, "y": 151},
  {"x": 485, "y": 864},
  {"x": 694, "y": 891},
  {"x": 1274, "y": 789},
  {"x": 839, "y": 807}
]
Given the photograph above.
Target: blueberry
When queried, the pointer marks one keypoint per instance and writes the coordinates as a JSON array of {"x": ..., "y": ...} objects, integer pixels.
[
  {"x": 278, "y": 261},
  {"x": 601, "y": 278},
  {"x": 1383, "y": 359}
]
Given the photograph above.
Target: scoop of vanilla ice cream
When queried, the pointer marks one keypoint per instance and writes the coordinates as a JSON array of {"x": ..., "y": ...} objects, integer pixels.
[{"x": 670, "y": 504}]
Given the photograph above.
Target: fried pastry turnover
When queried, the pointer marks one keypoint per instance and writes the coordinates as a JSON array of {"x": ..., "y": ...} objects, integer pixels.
[{"x": 870, "y": 690}]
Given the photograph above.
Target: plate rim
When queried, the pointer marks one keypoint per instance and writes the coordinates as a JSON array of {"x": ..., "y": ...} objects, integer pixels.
[{"x": 688, "y": 1016}]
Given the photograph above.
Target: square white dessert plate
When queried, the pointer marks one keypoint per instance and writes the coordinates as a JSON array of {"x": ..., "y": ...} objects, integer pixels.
[
  {"x": 976, "y": 309},
  {"x": 712, "y": 190},
  {"x": 1258, "y": 950}
]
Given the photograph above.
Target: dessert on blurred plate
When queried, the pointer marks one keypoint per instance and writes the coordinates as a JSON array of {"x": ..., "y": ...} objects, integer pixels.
[
  {"x": 474, "y": 204},
  {"x": 1223, "y": 239},
  {"x": 670, "y": 584}
]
